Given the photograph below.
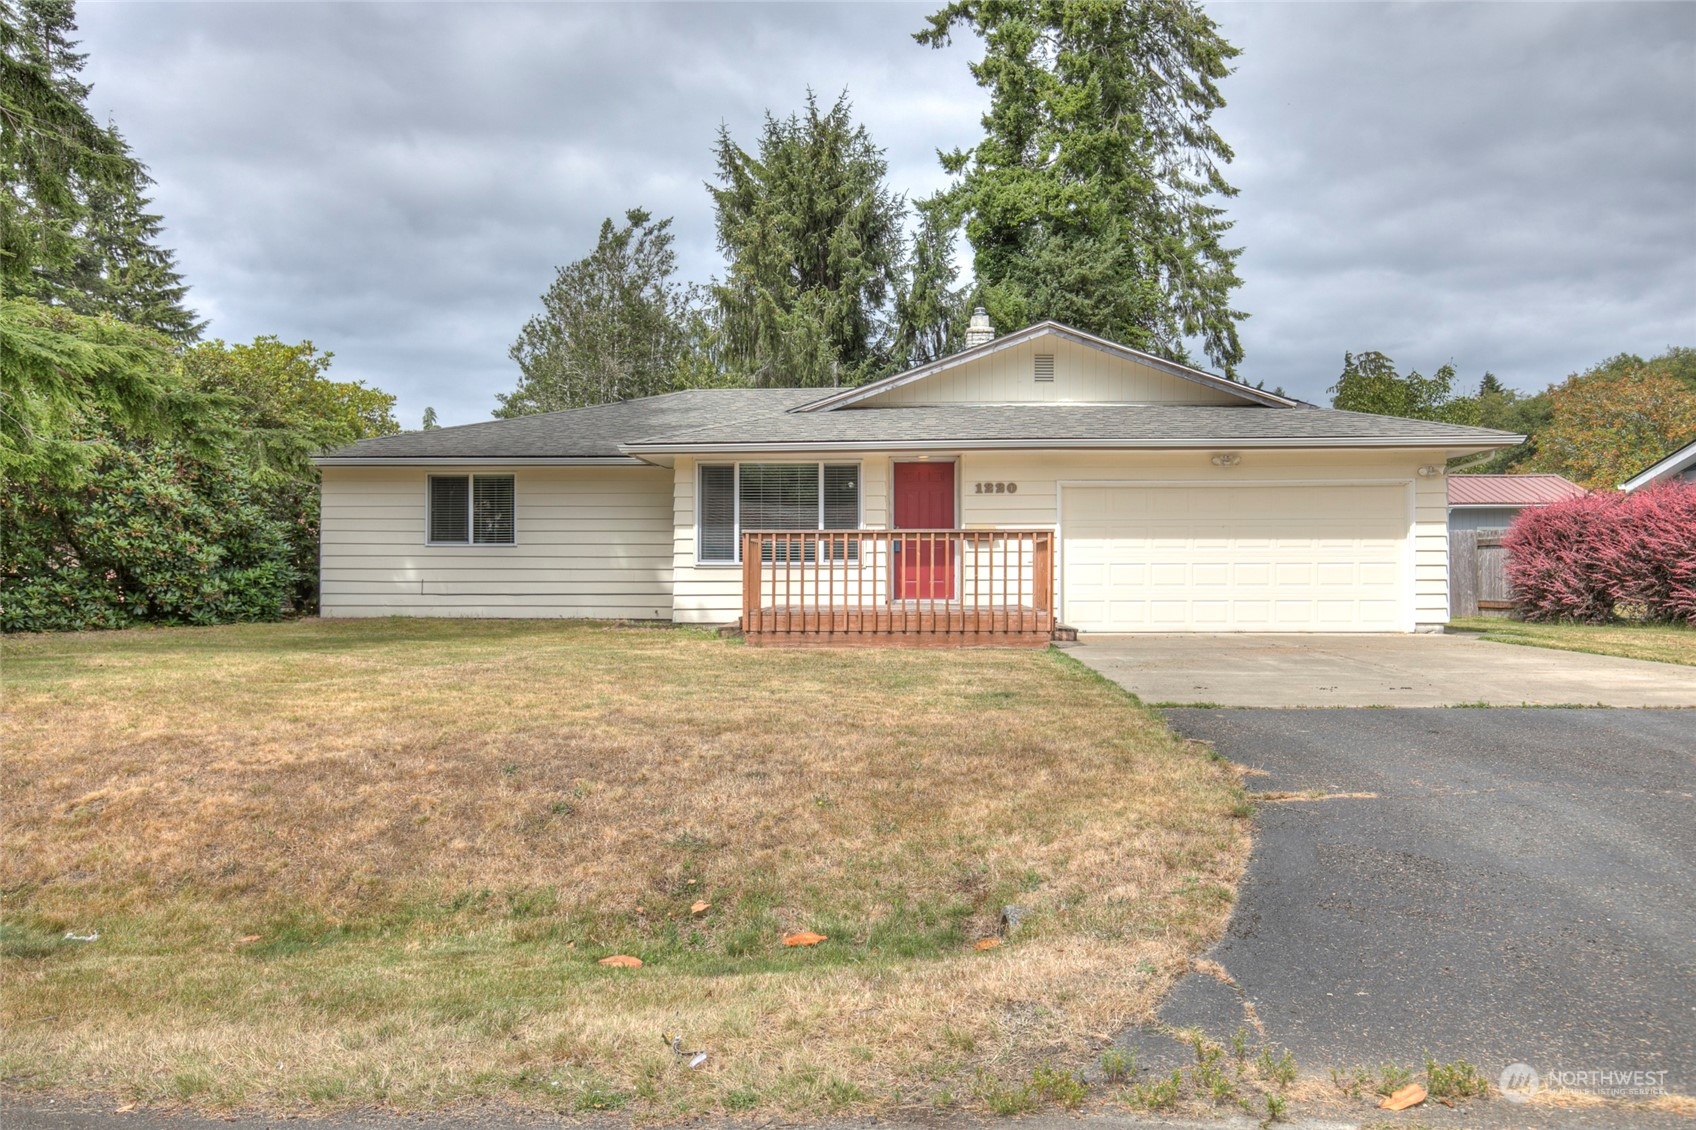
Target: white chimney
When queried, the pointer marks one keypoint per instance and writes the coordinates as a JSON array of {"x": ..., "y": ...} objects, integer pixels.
[{"x": 979, "y": 332}]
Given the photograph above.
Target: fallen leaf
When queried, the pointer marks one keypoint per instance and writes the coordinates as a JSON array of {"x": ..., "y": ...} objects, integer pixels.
[
  {"x": 1411, "y": 1095},
  {"x": 804, "y": 938},
  {"x": 986, "y": 943},
  {"x": 125, "y": 1109},
  {"x": 622, "y": 961},
  {"x": 701, "y": 907},
  {"x": 251, "y": 938}
]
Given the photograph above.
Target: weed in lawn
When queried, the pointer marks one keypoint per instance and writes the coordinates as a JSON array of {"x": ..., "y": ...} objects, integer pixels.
[
  {"x": 1163, "y": 1095},
  {"x": 1005, "y": 1098},
  {"x": 1117, "y": 1064},
  {"x": 1277, "y": 1071},
  {"x": 1211, "y": 1078},
  {"x": 1063, "y": 1088},
  {"x": 840, "y": 1094},
  {"x": 1353, "y": 1082},
  {"x": 1277, "y": 1110},
  {"x": 1391, "y": 1078},
  {"x": 1457, "y": 1080}
]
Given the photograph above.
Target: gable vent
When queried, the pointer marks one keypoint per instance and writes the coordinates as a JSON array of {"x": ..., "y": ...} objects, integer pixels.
[{"x": 1044, "y": 366}]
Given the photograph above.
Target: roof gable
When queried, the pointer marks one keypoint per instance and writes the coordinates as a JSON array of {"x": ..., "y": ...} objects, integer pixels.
[
  {"x": 1085, "y": 370},
  {"x": 1676, "y": 464}
]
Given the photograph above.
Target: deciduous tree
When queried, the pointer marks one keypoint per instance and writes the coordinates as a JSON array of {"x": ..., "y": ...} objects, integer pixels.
[
  {"x": 1370, "y": 383},
  {"x": 1607, "y": 424}
]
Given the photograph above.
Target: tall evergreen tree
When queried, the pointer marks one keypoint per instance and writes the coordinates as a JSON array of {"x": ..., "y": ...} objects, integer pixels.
[
  {"x": 612, "y": 327},
  {"x": 119, "y": 267},
  {"x": 813, "y": 241},
  {"x": 1093, "y": 197},
  {"x": 930, "y": 309},
  {"x": 51, "y": 148},
  {"x": 74, "y": 226}
]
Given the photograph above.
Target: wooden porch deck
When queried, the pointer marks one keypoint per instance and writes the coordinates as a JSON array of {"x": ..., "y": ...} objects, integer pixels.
[{"x": 903, "y": 588}]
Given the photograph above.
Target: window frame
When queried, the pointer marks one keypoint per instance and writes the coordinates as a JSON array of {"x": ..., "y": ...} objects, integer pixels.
[
  {"x": 471, "y": 478},
  {"x": 819, "y": 465}
]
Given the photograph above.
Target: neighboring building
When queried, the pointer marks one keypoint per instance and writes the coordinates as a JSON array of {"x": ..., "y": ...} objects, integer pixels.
[
  {"x": 1491, "y": 502},
  {"x": 1124, "y": 493},
  {"x": 1681, "y": 464}
]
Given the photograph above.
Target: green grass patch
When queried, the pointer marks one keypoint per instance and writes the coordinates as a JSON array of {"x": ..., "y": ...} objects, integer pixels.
[{"x": 1660, "y": 643}]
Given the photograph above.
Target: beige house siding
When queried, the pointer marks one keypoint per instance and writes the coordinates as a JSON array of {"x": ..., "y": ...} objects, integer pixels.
[
  {"x": 711, "y": 594},
  {"x": 1081, "y": 375},
  {"x": 590, "y": 541}
]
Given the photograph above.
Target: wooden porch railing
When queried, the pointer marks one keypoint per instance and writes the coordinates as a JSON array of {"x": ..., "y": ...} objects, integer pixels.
[{"x": 947, "y": 588}]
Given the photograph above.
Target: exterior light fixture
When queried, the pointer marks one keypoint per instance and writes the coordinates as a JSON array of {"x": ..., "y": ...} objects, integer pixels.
[
  {"x": 1430, "y": 471},
  {"x": 1227, "y": 459}
]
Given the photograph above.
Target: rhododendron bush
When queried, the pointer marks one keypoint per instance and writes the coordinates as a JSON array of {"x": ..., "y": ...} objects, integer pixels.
[{"x": 1584, "y": 558}]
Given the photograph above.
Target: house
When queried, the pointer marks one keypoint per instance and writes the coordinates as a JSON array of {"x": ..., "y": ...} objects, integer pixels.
[
  {"x": 1681, "y": 465},
  {"x": 1491, "y": 502},
  {"x": 1043, "y": 477}
]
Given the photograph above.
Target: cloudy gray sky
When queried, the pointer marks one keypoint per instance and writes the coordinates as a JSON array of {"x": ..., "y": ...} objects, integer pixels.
[{"x": 1505, "y": 186}]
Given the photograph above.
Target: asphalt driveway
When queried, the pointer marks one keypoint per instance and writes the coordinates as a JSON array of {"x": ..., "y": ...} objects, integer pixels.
[
  {"x": 1495, "y": 885},
  {"x": 1376, "y": 670}
]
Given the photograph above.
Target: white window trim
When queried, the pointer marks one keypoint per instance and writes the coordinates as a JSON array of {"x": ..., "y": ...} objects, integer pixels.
[
  {"x": 470, "y": 505},
  {"x": 736, "y": 501}
]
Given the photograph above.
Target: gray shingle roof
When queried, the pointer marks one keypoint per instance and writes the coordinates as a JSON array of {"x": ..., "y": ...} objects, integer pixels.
[
  {"x": 754, "y": 419},
  {"x": 1104, "y": 425},
  {"x": 581, "y": 433}
]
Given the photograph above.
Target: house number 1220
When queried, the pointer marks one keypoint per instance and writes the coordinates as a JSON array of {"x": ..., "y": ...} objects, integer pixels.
[{"x": 996, "y": 488}]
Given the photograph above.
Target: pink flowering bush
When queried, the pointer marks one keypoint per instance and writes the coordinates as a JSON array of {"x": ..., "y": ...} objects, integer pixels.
[{"x": 1580, "y": 559}]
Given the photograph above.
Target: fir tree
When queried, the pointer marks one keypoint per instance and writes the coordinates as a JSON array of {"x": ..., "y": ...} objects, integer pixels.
[
  {"x": 813, "y": 239},
  {"x": 612, "y": 327},
  {"x": 74, "y": 226},
  {"x": 1093, "y": 198}
]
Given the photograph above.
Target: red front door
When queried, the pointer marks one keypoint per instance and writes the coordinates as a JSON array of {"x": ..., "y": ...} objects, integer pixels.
[{"x": 924, "y": 500}]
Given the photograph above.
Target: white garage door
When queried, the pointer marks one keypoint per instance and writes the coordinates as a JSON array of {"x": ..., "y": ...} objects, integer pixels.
[{"x": 1234, "y": 558}]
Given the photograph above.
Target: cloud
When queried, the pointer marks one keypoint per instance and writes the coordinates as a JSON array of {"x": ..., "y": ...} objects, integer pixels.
[
  {"x": 1507, "y": 186},
  {"x": 1511, "y": 187}
]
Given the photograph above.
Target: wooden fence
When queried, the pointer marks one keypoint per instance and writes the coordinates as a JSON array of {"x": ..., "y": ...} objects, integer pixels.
[{"x": 1478, "y": 578}]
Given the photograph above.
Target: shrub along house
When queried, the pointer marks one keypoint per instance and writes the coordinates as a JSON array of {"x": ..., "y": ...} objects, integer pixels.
[{"x": 1043, "y": 477}]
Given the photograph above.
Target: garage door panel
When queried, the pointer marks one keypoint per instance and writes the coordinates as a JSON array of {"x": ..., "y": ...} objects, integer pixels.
[{"x": 1288, "y": 558}]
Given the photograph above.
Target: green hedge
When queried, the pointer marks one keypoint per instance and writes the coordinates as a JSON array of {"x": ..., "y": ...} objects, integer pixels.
[{"x": 153, "y": 535}]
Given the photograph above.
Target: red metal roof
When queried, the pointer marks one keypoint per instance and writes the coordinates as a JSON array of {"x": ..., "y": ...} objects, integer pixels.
[{"x": 1510, "y": 490}]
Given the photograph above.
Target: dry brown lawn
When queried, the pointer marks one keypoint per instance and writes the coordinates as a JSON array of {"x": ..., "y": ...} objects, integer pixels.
[{"x": 376, "y": 862}]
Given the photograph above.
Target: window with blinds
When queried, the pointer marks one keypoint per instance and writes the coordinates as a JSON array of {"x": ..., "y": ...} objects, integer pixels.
[
  {"x": 778, "y": 496},
  {"x": 492, "y": 509},
  {"x": 717, "y": 540},
  {"x": 774, "y": 496},
  {"x": 472, "y": 510}
]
